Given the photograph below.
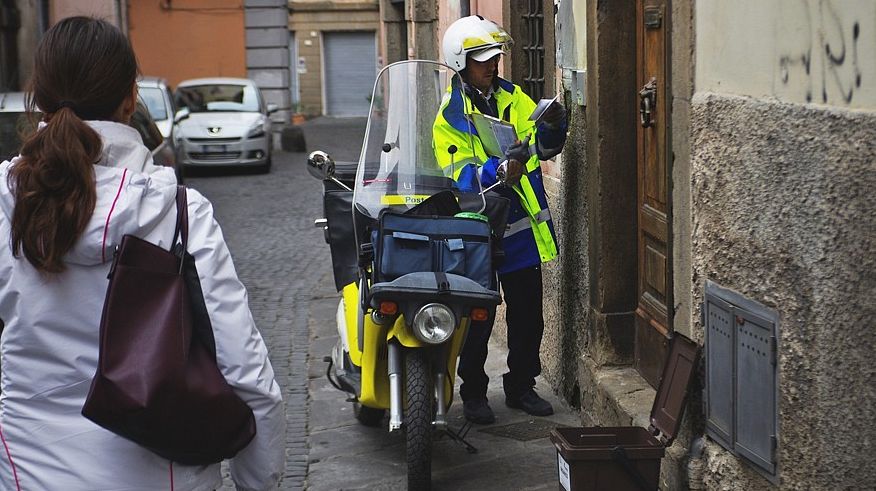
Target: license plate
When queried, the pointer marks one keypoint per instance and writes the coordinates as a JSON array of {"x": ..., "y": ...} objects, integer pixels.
[{"x": 214, "y": 148}]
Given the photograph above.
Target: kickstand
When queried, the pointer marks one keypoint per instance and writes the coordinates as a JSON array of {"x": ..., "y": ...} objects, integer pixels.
[{"x": 459, "y": 436}]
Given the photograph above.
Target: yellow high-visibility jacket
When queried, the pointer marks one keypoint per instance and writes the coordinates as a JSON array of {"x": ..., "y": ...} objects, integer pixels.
[{"x": 530, "y": 238}]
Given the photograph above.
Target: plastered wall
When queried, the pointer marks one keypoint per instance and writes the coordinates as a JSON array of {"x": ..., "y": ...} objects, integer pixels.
[
  {"x": 783, "y": 213},
  {"x": 192, "y": 39},
  {"x": 803, "y": 51},
  {"x": 783, "y": 167}
]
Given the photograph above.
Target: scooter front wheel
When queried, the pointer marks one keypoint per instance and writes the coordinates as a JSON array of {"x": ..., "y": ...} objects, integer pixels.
[{"x": 418, "y": 420}]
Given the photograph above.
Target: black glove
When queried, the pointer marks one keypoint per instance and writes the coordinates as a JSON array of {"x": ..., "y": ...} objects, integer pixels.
[
  {"x": 554, "y": 115},
  {"x": 519, "y": 151}
]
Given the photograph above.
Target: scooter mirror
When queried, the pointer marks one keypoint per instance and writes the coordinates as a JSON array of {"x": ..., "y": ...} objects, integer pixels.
[{"x": 320, "y": 165}]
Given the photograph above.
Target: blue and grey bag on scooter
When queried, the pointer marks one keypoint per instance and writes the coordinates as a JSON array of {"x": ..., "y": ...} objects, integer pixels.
[{"x": 410, "y": 243}]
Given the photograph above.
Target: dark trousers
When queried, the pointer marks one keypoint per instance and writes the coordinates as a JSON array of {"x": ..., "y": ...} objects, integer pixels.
[{"x": 522, "y": 292}]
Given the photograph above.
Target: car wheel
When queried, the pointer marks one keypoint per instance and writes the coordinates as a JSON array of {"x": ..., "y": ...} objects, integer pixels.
[{"x": 266, "y": 167}]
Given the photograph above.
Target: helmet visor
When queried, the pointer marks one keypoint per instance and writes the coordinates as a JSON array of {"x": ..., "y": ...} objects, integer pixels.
[
  {"x": 495, "y": 37},
  {"x": 486, "y": 54}
]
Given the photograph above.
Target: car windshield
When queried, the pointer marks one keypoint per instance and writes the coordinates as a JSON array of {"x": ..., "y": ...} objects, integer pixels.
[
  {"x": 153, "y": 97},
  {"x": 218, "y": 97}
]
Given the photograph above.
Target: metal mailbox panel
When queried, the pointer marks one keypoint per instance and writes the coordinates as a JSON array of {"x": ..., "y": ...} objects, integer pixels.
[
  {"x": 755, "y": 389},
  {"x": 719, "y": 369},
  {"x": 742, "y": 376}
]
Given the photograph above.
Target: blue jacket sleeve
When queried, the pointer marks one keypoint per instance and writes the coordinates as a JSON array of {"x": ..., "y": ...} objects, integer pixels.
[
  {"x": 549, "y": 140},
  {"x": 467, "y": 181},
  {"x": 488, "y": 172},
  {"x": 468, "y": 176}
]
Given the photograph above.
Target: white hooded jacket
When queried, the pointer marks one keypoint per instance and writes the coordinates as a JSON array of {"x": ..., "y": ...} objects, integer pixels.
[{"x": 49, "y": 346}]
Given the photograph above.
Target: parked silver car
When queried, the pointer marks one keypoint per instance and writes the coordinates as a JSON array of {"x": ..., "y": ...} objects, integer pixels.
[
  {"x": 158, "y": 97},
  {"x": 223, "y": 121},
  {"x": 162, "y": 149},
  {"x": 16, "y": 124}
]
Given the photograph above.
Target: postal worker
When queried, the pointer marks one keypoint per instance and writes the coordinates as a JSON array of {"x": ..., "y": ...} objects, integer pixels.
[{"x": 473, "y": 47}]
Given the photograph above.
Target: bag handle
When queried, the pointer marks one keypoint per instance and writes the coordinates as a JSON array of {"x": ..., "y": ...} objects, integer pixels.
[{"x": 182, "y": 224}]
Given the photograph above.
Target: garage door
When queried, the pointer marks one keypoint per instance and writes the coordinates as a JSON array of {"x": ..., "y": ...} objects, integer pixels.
[{"x": 350, "y": 70}]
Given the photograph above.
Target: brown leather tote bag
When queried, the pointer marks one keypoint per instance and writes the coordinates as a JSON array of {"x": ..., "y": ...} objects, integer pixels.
[{"x": 157, "y": 382}]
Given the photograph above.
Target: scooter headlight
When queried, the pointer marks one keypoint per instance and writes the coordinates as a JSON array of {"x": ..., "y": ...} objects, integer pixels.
[{"x": 434, "y": 323}]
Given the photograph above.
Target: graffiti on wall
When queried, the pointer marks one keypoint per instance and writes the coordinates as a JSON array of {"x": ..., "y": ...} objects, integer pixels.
[{"x": 820, "y": 55}]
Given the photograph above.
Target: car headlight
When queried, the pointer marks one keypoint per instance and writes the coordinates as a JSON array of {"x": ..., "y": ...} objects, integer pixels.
[
  {"x": 434, "y": 323},
  {"x": 256, "y": 131}
]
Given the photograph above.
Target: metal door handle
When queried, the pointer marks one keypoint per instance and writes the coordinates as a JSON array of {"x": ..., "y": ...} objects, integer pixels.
[{"x": 648, "y": 103}]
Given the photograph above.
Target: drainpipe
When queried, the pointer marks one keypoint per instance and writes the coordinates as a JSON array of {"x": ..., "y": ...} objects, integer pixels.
[
  {"x": 696, "y": 464},
  {"x": 43, "y": 16},
  {"x": 122, "y": 15}
]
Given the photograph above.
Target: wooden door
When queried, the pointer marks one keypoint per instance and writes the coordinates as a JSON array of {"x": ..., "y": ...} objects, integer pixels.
[{"x": 653, "y": 312}]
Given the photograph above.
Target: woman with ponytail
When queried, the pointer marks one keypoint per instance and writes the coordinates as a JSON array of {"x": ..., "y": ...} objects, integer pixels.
[{"x": 83, "y": 180}]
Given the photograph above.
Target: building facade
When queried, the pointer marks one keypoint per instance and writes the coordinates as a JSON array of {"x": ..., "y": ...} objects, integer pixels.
[
  {"x": 179, "y": 40},
  {"x": 335, "y": 55},
  {"x": 22, "y": 24},
  {"x": 173, "y": 39},
  {"x": 184, "y": 39},
  {"x": 716, "y": 185}
]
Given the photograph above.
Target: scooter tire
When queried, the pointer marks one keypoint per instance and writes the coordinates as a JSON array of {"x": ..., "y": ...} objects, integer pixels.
[
  {"x": 368, "y": 416},
  {"x": 418, "y": 420}
]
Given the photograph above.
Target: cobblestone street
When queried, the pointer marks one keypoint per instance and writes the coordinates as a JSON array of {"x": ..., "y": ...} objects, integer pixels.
[
  {"x": 267, "y": 220},
  {"x": 282, "y": 259}
]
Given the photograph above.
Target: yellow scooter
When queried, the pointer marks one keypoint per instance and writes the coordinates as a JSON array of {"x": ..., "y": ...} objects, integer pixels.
[{"x": 414, "y": 259}]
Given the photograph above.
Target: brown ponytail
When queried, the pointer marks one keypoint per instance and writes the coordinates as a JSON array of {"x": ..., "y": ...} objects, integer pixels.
[{"x": 84, "y": 68}]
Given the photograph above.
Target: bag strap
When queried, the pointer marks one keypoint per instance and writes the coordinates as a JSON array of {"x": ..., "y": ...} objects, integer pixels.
[{"x": 182, "y": 224}]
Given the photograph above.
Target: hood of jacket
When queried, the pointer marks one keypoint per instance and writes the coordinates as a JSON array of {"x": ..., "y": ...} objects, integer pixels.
[{"x": 133, "y": 194}]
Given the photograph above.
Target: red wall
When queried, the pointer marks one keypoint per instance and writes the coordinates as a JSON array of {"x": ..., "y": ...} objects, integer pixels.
[{"x": 182, "y": 39}]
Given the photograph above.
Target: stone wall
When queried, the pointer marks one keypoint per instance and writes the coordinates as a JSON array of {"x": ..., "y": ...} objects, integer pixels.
[
  {"x": 566, "y": 278},
  {"x": 783, "y": 213},
  {"x": 267, "y": 56}
]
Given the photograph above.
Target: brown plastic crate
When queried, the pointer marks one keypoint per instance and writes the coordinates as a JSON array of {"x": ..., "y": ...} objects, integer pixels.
[
  {"x": 586, "y": 460},
  {"x": 627, "y": 458}
]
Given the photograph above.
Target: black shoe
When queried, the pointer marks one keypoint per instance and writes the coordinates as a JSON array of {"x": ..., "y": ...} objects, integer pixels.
[
  {"x": 531, "y": 403},
  {"x": 478, "y": 411}
]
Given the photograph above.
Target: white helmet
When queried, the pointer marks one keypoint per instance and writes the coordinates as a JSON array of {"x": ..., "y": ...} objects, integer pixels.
[{"x": 473, "y": 34}]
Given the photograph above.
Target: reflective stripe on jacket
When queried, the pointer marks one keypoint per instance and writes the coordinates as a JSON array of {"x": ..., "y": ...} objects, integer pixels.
[{"x": 530, "y": 238}]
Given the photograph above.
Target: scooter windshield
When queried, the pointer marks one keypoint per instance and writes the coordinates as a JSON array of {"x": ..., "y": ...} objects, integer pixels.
[{"x": 399, "y": 167}]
